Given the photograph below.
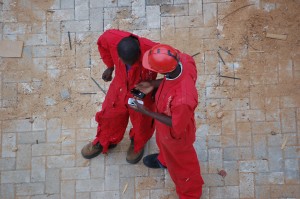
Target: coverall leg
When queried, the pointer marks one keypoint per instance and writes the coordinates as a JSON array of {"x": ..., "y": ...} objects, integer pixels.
[{"x": 183, "y": 165}]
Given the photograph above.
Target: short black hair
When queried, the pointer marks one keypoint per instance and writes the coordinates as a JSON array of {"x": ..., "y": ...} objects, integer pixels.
[{"x": 129, "y": 49}]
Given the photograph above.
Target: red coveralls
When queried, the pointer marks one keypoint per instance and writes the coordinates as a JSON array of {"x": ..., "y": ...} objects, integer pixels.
[
  {"x": 113, "y": 118},
  {"x": 178, "y": 99}
]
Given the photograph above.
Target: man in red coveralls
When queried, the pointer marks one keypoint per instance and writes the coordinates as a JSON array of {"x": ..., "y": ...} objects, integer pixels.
[
  {"x": 176, "y": 100},
  {"x": 123, "y": 52}
]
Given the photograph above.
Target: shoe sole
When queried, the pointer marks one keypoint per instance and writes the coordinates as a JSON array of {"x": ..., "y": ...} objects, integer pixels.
[
  {"x": 97, "y": 153},
  {"x": 91, "y": 156},
  {"x": 137, "y": 159}
]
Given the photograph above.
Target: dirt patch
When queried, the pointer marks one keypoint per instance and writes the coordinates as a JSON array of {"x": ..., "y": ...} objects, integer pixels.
[
  {"x": 265, "y": 66},
  {"x": 47, "y": 86}
]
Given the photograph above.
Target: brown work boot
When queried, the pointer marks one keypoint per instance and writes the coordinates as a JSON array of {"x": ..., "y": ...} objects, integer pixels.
[
  {"x": 133, "y": 157},
  {"x": 90, "y": 151}
]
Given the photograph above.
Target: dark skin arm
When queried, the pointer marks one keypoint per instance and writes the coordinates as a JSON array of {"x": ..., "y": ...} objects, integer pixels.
[
  {"x": 147, "y": 86},
  {"x": 107, "y": 74},
  {"x": 167, "y": 120}
]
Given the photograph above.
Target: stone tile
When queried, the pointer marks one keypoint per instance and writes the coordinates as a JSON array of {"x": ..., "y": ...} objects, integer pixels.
[
  {"x": 85, "y": 134},
  {"x": 116, "y": 158},
  {"x": 90, "y": 185},
  {"x": 276, "y": 178},
  {"x": 246, "y": 153},
  {"x": 210, "y": 13},
  {"x": 78, "y": 173},
  {"x": 23, "y": 160},
  {"x": 262, "y": 178},
  {"x": 45, "y": 196},
  {"x": 215, "y": 159},
  {"x": 112, "y": 175},
  {"x": 181, "y": 1},
  {"x": 235, "y": 104},
  {"x": 45, "y": 51},
  {"x": 96, "y": 3},
  {"x": 38, "y": 170},
  {"x": 68, "y": 144},
  {"x": 228, "y": 140},
  {"x": 285, "y": 191},
  {"x": 97, "y": 167},
  {"x": 64, "y": 4},
  {"x": 195, "y": 7},
  {"x": 244, "y": 137},
  {"x": 7, "y": 191},
  {"x": 188, "y": 21},
  {"x": 127, "y": 188},
  {"x": 61, "y": 161},
  {"x": 214, "y": 141},
  {"x": 224, "y": 192},
  {"x": 254, "y": 166},
  {"x": 167, "y": 10},
  {"x": 260, "y": 146},
  {"x": 231, "y": 154},
  {"x": 75, "y": 26},
  {"x": 158, "y": 193},
  {"x": 291, "y": 152},
  {"x": 288, "y": 120},
  {"x": 232, "y": 170},
  {"x": 53, "y": 134},
  {"x": 240, "y": 143},
  {"x": 262, "y": 192},
  {"x": 250, "y": 115},
  {"x": 143, "y": 194},
  {"x": 45, "y": 149},
  {"x": 213, "y": 180},
  {"x": 158, "y": 2},
  {"x": 246, "y": 185},
  {"x": 276, "y": 162},
  {"x": 228, "y": 121},
  {"x": 61, "y": 15},
  {"x": 7, "y": 164},
  {"x": 105, "y": 194},
  {"x": 19, "y": 176},
  {"x": 139, "y": 8},
  {"x": 96, "y": 19},
  {"x": 153, "y": 16},
  {"x": 53, "y": 32},
  {"x": 52, "y": 183},
  {"x": 127, "y": 170},
  {"x": 13, "y": 126},
  {"x": 67, "y": 189},
  {"x": 83, "y": 195},
  {"x": 149, "y": 183},
  {"x": 8, "y": 143}
]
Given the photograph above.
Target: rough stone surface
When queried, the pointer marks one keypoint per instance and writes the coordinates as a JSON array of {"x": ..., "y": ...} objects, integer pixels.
[{"x": 247, "y": 119}]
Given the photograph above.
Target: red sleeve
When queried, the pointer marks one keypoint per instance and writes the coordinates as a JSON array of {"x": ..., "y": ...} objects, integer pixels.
[
  {"x": 181, "y": 116},
  {"x": 104, "y": 50}
]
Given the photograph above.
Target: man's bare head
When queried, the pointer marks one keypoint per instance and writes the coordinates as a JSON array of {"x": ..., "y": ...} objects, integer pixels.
[{"x": 129, "y": 50}]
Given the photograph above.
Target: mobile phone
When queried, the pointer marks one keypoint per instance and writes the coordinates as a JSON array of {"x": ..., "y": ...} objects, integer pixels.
[
  {"x": 137, "y": 93},
  {"x": 131, "y": 102}
]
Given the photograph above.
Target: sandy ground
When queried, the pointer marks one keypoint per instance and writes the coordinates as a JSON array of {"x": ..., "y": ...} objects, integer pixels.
[{"x": 248, "y": 59}]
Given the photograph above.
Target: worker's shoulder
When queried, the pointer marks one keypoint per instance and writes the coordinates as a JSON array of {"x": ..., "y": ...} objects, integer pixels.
[
  {"x": 147, "y": 42},
  {"x": 116, "y": 32}
]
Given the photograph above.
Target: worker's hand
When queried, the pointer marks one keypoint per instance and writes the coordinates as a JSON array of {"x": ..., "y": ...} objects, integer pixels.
[
  {"x": 107, "y": 74},
  {"x": 145, "y": 87},
  {"x": 139, "y": 107}
]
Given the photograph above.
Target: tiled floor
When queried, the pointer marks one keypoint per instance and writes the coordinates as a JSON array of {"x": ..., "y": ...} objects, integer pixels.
[{"x": 248, "y": 118}]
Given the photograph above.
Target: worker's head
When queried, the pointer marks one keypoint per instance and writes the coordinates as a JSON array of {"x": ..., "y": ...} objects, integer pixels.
[
  {"x": 161, "y": 58},
  {"x": 129, "y": 50}
]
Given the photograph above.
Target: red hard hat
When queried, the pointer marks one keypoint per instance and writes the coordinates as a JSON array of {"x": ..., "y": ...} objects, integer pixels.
[{"x": 161, "y": 58}]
